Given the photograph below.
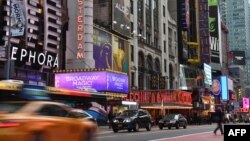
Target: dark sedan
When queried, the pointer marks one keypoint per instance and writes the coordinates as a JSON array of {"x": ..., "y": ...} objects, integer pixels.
[
  {"x": 173, "y": 120},
  {"x": 132, "y": 120}
]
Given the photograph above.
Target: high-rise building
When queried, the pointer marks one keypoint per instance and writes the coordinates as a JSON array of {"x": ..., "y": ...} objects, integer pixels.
[
  {"x": 32, "y": 39},
  {"x": 236, "y": 16}
]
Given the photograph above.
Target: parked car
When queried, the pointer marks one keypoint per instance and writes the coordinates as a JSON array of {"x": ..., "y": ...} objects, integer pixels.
[
  {"x": 42, "y": 120},
  {"x": 173, "y": 120},
  {"x": 132, "y": 120}
]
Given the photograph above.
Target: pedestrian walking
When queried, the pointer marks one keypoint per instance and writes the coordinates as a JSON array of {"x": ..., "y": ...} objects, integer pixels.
[{"x": 220, "y": 116}]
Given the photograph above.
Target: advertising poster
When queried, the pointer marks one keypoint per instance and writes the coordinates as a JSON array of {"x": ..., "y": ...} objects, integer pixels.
[
  {"x": 121, "y": 17},
  {"x": 18, "y": 19},
  {"x": 204, "y": 32},
  {"x": 213, "y": 29},
  {"x": 120, "y": 54},
  {"x": 101, "y": 81},
  {"x": 102, "y": 49},
  {"x": 117, "y": 82}
]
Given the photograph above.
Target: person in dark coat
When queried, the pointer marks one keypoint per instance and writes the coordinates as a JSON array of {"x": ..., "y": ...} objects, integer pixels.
[{"x": 220, "y": 117}]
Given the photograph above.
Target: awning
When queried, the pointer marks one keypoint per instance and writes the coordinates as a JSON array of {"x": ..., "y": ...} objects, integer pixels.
[{"x": 169, "y": 105}]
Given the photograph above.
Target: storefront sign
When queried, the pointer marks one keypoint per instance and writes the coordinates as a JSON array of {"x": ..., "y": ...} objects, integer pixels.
[
  {"x": 181, "y": 97},
  {"x": 80, "y": 30},
  {"x": 101, "y": 81},
  {"x": 34, "y": 57}
]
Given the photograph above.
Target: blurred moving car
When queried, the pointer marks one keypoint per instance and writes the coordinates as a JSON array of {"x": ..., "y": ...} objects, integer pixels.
[
  {"x": 101, "y": 119},
  {"x": 173, "y": 120},
  {"x": 42, "y": 121},
  {"x": 132, "y": 120},
  {"x": 79, "y": 113}
]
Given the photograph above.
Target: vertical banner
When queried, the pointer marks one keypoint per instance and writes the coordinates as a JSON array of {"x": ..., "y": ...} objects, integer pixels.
[
  {"x": 224, "y": 88},
  {"x": 204, "y": 32},
  {"x": 18, "y": 20},
  {"x": 121, "y": 17},
  {"x": 120, "y": 54},
  {"x": 102, "y": 49},
  {"x": 213, "y": 29},
  {"x": 80, "y": 30}
]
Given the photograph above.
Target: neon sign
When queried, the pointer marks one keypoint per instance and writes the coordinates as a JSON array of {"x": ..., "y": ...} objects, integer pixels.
[{"x": 80, "y": 30}]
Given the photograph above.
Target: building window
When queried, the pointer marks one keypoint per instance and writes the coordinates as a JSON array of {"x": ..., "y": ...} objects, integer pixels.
[
  {"x": 133, "y": 79},
  {"x": 165, "y": 65},
  {"x": 163, "y": 11},
  {"x": 164, "y": 28},
  {"x": 131, "y": 6},
  {"x": 164, "y": 44},
  {"x": 156, "y": 43},
  {"x": 140, "y": 10},
  {"x": 132, "y": 27},
  {"x": 148, "y": 78},
  {"x": 132, "y": 53},
  {"x": 155, "y": 15},
  {"x": 148, "y": 38},
  {"x": 148, "y": 12}
]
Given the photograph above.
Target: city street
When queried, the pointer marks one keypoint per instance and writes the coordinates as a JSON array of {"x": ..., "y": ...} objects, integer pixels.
[{"x": 192, "y": 133}]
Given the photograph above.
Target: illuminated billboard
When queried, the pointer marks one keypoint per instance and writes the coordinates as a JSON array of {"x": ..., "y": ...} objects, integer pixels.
[
  {"x": 101, "y": 81},
  {"x": 214, "y": 31},
  {"x": 121, "y": 17},
  {"x": 245, "y": 102},
  {"x": 208, "y": 74},
  {"x": 204, "y": 32},
  {"x": 224, "y": 88}
]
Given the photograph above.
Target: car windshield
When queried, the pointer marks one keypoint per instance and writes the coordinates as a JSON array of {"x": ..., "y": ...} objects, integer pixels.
[
  {"x": 129, "y": 113},
  {"x": 171, "y": 116},
  {"x": 10, "y": 107}
]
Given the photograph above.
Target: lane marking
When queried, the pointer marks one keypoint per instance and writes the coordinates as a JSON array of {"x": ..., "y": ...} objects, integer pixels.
[{"x": 180, "y": 136}]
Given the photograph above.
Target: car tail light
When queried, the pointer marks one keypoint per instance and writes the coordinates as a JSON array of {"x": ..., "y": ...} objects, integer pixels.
[{"x": 9, "y": 123}]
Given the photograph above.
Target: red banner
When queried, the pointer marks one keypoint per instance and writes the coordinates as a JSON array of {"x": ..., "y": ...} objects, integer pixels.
[{"x": 159, "y": 96}]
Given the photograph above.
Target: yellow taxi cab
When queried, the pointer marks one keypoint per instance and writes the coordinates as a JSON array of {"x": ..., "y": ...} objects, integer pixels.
[{"x": 42, "y": 121}]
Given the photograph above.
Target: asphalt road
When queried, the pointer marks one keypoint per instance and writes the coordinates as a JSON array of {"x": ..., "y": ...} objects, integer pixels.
[{"x": 155, "y": 133}]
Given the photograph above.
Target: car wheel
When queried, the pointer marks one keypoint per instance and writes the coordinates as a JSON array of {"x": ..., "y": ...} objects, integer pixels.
[
  {"x": 169, "y": 127},
  {"x": 161, "y": 127},
  {"x": 185, "y": 126},
  {"x": 177, "y": 126},
  {"x": 37, "y": 137},
  {"x": 129, "y": 130},
  {"x": 115, "y": 130},
  {"x": 136, "y": 128},
  {"x": 149, "y": 126}
]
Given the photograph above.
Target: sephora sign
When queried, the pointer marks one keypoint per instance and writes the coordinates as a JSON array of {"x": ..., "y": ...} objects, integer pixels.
[{"x": 34, "y": 56}]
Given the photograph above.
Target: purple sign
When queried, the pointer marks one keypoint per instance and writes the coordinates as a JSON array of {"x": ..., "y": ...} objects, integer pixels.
[
  {"x": 117, "y": 82},
  {"x": 101, "y": 81}
]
